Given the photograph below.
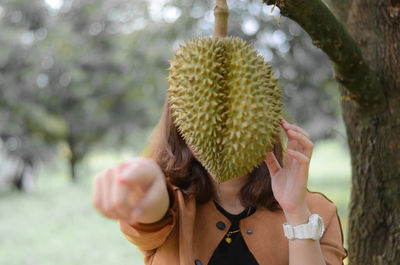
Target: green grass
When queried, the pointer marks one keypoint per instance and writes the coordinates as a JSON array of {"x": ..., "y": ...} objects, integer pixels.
[{"x": 57, "y": 224}]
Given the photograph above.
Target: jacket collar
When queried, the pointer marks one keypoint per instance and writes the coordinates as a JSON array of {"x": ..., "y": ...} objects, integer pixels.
[{"x": 256, "y": 229}]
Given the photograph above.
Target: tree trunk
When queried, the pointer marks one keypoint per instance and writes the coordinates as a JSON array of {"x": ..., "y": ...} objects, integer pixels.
[
  {"x": 374, "y": 138},
  {"x": 72, "y": 169},
  {"x": 72, "y": 159}
]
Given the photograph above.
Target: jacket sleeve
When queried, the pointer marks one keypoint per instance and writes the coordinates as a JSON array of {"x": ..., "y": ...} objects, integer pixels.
[
  {"x": 148, "y": 237},
  {"x": 332, "y": 240}
]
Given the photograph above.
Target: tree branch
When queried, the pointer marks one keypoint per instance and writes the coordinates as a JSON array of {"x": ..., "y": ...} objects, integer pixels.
[
  {"x": 338, "y": 8},
  {"x": 329, "y": 34},
  {"x": 221, "y": 13}
]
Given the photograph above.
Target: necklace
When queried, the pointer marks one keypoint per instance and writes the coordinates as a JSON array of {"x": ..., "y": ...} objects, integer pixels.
[{"x": 228, "y": 238}]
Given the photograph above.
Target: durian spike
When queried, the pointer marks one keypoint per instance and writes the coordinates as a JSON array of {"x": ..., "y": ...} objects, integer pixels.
[{"x": 221, "y": 13}]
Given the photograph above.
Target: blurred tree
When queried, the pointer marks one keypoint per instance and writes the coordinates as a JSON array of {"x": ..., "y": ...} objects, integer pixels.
[
  {"x": 64, "y": 80},
  {"x": 85, "y": 73},
  {"x": 22, "y": 147},
  {"x": 361, "y": 38}
]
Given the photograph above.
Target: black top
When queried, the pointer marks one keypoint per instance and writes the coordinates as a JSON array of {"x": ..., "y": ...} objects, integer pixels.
[{"x": 237, "y": 252}]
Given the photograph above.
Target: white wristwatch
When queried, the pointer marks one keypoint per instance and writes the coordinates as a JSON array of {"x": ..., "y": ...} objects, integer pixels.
[{"x": 314, "y": 229}]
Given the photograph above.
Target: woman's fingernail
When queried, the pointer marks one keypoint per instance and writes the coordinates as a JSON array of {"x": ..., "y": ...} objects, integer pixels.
[{"x": 122, "y": 181}]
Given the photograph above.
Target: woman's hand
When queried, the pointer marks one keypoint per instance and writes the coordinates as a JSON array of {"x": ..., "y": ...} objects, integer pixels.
[
  {"x": 289, "y": 183},
  {"x": 134, "y": 192}
]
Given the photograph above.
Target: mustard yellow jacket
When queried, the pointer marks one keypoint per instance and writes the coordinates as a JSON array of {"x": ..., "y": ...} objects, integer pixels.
[{"x": 188, "y": 234}]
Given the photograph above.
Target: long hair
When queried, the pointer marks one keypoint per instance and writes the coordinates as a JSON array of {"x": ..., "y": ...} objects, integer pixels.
[{"x": 182, "y": 169}]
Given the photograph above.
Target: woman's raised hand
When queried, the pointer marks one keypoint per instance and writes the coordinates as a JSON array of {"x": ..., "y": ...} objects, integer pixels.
[
  {"x": 289, "y": 183},
  {"x": 133, "y": 192}
]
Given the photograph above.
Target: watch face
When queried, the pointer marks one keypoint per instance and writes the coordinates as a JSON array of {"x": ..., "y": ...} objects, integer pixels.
[{"x": 320, "y": 226}]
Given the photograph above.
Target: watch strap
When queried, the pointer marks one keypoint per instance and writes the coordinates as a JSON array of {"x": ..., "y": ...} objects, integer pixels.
[
  {"x": 305, "y": 231},
  {"x": 302, "y": 231}
]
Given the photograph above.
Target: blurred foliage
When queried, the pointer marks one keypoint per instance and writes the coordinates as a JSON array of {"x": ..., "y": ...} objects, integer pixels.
[{"x": 81, "y": 74}]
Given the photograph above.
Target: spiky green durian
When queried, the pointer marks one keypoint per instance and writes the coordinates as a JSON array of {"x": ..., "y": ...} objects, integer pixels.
[{"x": 225, "y": 103}]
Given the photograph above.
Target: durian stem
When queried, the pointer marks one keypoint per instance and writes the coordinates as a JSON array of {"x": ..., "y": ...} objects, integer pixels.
[{"x": 221, "y": 13}]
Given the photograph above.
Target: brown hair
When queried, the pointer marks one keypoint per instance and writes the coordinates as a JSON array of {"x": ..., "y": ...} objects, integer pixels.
[{"x": 182, "y": 169}]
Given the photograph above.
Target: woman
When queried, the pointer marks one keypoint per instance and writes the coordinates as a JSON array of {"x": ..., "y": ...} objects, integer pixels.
[{"x": 175, "y": 213}]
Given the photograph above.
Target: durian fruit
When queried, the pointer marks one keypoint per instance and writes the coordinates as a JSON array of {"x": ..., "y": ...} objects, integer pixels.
[{"x": 225, "y": 103}]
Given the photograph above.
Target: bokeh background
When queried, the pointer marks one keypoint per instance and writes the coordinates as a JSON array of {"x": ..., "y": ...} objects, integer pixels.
[{"x": 82, "y": 84}]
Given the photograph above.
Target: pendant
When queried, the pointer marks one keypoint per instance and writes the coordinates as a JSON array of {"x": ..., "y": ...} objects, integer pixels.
[{"x": 228, "y": 240}]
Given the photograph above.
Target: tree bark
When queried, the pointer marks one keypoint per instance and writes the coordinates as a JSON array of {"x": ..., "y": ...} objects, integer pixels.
[
  {"x": 374, "y": 139},
  {"x": 371, "y": 112}
]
